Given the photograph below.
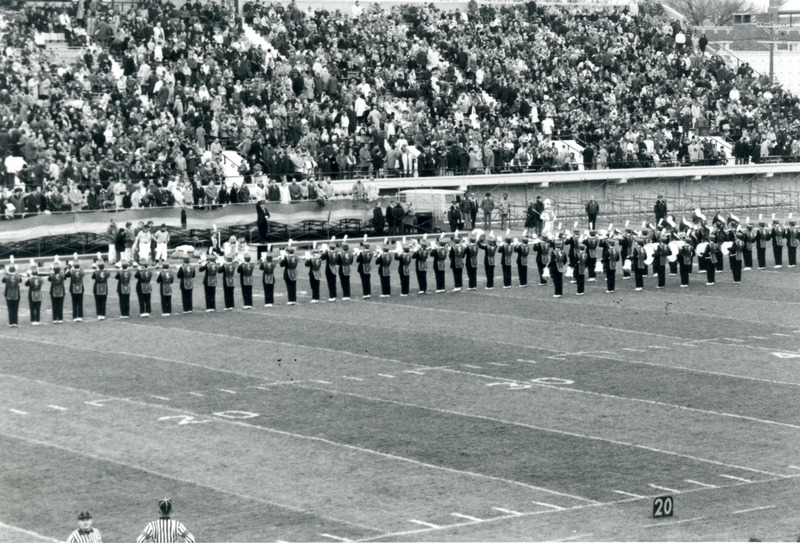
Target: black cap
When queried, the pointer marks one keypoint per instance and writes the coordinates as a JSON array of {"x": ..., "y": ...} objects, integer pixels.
[
  {"x": 84, "y": 515},
  {"x": 165, "y": 505}
]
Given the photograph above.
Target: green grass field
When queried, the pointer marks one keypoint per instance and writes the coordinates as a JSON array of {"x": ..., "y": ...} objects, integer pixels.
[{"x": 502, "y": 415}]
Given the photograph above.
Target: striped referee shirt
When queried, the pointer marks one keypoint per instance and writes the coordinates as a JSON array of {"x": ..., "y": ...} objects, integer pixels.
[
  {"x": 165, "y": 530},
  {"x": 89, "y": 536}
]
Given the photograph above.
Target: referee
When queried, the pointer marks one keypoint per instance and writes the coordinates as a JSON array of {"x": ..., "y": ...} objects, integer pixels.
[
  {"x": 165, "y": 530},
  {"x": 85, "y": 533}
]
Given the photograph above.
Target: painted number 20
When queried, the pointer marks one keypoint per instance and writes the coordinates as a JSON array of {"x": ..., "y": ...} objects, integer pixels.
[{"x": 662, "y": 507}]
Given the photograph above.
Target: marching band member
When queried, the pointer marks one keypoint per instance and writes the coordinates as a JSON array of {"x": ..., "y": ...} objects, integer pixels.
[
  {"x": 750, "y": 238},
  {"x": 314, "y": 265},
  {"x": 245, "y": 270},
  {"x": 439, "y": 254},
  {"x": 421, "y": 267},
  {"x": 557, "y": 263},
  {"x": 610, "y": 257},
  {"x": 736, "y": 256},
  {"x": 639, "y": 263},
  {"x": 792, "y": 241},
  {"x": 542, "y": 249},
  {"x": 403, "y": 255},
  {"x": 143, "y": 287},
  {"x": 100, "y": 276},
  {"x": 384, "y": 263},
  {"x": 626, "y": 249},
  {"x": 364, "y": 260},
  {"x": 331, "y": 256},
  {"x": 457, "y": 251},
  {"x": 489, "y": 251},
  {"x": 506, "y": 251},
  {"x": 186, "y": 277},
  {"x": 345, "y": 262},
  {"x": 471, "y": 253},
  {"x": 762, "y": 237},
  {"x": 591, "y": 250},
  {"x": 268, "y": 278},
  {"x": 579, "y": 266},
  {"x": 34, "y": 284},
  {"x": 12, "y": 280},
  {"x": 289, "y": 261},
  {"x": 660, "y": 263},
  {"x": 123, "y": 278},
  {"x": 165, "y": 279},
  {"x": 209, "y": 265},
  {"x": 685, "y": 259},
  {"x": 778, "y": 236},
  {"x": 228, "y": 271},
  {"x": 721, "y": 236},
  {"x": 523, "y": 249},
  {"x": 76, "y": 289},
  {"x": 710, "y": 255}
]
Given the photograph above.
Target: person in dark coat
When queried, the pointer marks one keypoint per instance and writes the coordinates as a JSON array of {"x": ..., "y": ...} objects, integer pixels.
[
  {"x": 378, "y": 220},
  {"x": 262, "y": 215}
]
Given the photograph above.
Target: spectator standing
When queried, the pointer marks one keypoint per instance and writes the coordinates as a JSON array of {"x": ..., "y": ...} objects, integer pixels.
[
  {"x": 660, "y": 208},
  {"x": 592, "y": 210},
  {"x": 487, "y": 206},
  {"x": 505, "y": 212}
]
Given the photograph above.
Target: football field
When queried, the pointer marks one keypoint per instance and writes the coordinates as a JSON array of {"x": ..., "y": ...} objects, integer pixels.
[{"x": 493, "y": 415}]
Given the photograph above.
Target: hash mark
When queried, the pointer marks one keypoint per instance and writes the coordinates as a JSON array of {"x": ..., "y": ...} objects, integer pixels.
[
  {"x": 507, "y": 511},
  {"x": 699, "y": 483},
  {"x": 550, "y": 505},
  {"x": 473, "y": 519},
  {"x": 57, "y": 408},
  {"x": 18, "y": 412},
  {"x": 664, "y": 488},
  {"x": 628, "y": 494},
  {"x": 386, "y": 375},
  {"x": 428, "y": 524},
  {"x": 736, "y": 478},
  {"x": 352, "y": 378}
]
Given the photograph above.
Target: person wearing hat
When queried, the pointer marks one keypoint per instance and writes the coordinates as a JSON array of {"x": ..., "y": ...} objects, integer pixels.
[
  {"x": 778, "y": 236},
  {"x": 592, "y": 243},
  {"x": 165, "y": 528},
  {"x": 144, "y": 289},
  {"x": 211, "y": 268},
  {"x": 762, "y": 237},
  {"x": 85, "y": 532},
  {"x": 57, "y": 292},
  {"x": 489, "y": 252},
  {"x": 245, "y": 271},
  {"x": 186, "y": 277},
  {"x": 439, "y": 255},
  {"x": 626, "y": 243},
  {"x": 331, "y": 257},
  {"x": 421, "y": 268},
  {"x": 721, "y": 235},
  {"x": 384, "y": 263},
  {"x": 123, "y": 278},
  {"x": 267, "y": 266},
  {"x": 162, "y": 243},
  {"x": 736, "y": 257},
  {"x": 685, "y": 259},
  {"x": 792, "y": 241},
  {"x": 523, "y": 250},
  {"x": 364, "y": 268},
  {"x": 506, "y": 251},
  {"x": 710, "y": 255},
  {"x": 344, "y": 261},
  {"x": 314, "y": 265},
  {"x": 471, "y": 262},
  {"x": 750, "y": 238},
  {"x": 228, "y": 270},
  {"x": 542, "y": 250},
  {"x": 289, "y": 262},
  {"x": 660, "y": 208},
  {"x": 579, "y": 267},
  {"x": 165, "y": 278},
  {"x": 457, "y": 251},
  {"x": 34, "y": 284},
  {"x": 660, "y": 256},
  {"x": 12, "y": 280},
  {"x": 610, "y": 258},
  {"x": 100, "y": 276},
  {"x": 76, "y": 290},
  {"x": 404, "y": 269},
  {"x": 639, "y": 263},
  {"x": 557, "y": 261}
]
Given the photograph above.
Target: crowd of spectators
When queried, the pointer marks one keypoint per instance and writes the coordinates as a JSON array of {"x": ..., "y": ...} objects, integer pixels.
[{"x": 145, "y": 114}]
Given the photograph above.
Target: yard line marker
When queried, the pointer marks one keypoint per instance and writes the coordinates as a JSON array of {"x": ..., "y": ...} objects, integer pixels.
[
  {"x": 754, "y": 509},
  {"x": 228, "y": 391},
  {"x": 660, "y": 347},
  {"x": 685, "y": 344},
  {"x": 507, "y": 511},
  {"x": 550, "y": 505},
  {"x": 733, "y": 339},
  {"x": 473, "y": 367},
  {"x": 427, "y": 524},
  {"x": 28, "y": 532},
  {"x": 559, "y": 357},
  {"x": 197, "y": 394},
  {"x": 335, "y": 538},
  {"x": 160, "y": 398},
  {"x": 473, "y": 519},
  {"x": 57, "y": 408},
  {"x": 742, "y": 479},
  {"x": 781, "y": 335},
  {"x": 18, "y": 412},
  {"x": 415, "y": 372},
  {"x": 699, "y": 483},
  {"x": 318, "y": 381},
  {"x": 664, "y": 488},
  {"x": 633, "y": 350},
  {"x": 386, "y": 375},
  {"x": 352, "y": 378},
  {"x": 758, "y": 337},
  {"x": 497, "y": 364},
  {"x": 528, "y": 361},
  {"x": 794, "y": 467},
  {"x": 628, "y": 494}
]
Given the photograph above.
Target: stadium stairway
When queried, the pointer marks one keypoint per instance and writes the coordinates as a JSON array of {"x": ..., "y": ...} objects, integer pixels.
[{"x": 58, "y": 48}]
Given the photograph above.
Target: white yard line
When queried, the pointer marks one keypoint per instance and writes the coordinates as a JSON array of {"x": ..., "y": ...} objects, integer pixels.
[{"x": 29, "y": 533}]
